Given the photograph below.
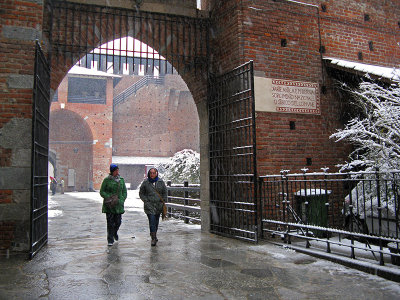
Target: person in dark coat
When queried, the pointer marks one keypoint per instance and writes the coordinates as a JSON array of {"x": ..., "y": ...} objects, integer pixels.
[
  {"x": 53, "y": 185},
  {"x": 113, "y": 184},
  {"x": 153, "y": 192}
]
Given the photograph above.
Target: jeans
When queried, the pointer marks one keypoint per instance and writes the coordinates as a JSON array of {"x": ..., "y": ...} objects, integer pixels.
[
  {"x": 113, "y": 224},
  {"x": 153, "y": 222}
]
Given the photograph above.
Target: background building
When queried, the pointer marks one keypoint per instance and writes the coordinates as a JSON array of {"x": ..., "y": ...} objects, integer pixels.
[
  {"x": 145, "y": 127},
  {"x": 152, "y": 124},
  {"x": 295, "y": 46}
]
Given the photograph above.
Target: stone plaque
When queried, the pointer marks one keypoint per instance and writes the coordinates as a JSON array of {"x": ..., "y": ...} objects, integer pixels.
[{"x": 286, "y": 96}]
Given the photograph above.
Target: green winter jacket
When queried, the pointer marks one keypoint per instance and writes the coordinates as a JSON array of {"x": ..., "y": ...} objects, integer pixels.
[
  {"x": 108, "y": 188},
  {"x": 152, "y": 201}
]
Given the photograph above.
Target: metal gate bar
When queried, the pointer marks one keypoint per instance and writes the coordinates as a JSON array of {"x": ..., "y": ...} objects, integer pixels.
[
  {"x": 233, "y": 171},
  {"x": 40, "y": 150},
  {"x": 77, "y": 29}
]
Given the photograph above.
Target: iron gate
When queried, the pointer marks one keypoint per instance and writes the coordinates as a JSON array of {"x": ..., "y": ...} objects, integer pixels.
[
  {"x": 86, "y": 33},
  {"x": 233, "y": 171},
  {"x": 40, "y": 150}
]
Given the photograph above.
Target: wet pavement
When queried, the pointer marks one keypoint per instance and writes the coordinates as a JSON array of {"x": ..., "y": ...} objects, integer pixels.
[{"x": 185, "y": 264}]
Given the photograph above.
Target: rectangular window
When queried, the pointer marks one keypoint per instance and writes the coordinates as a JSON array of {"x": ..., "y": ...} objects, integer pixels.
[{"x": 87, "y": 90}]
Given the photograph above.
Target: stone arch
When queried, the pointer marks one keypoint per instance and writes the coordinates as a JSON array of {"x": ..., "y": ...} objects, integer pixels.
[
  {"x": 192, "y": 68},
  {"x": 184, "y": 46},
  {"x": 53, "y": 161},
  {"x": 72, "y": 140}
]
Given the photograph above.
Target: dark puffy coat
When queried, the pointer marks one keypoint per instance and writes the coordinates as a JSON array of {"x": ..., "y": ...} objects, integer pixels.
[
  {"x": 108, "y": 188},
  {"x": 152, "y": 201}
]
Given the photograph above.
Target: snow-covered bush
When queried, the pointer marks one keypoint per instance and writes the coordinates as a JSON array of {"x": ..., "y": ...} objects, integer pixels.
[
  {"x": 183, "y": 166},
  {"x": 375, "y": 134},
  {"x": 375, "y": 130},
  {"x": 364, "y": 197}
]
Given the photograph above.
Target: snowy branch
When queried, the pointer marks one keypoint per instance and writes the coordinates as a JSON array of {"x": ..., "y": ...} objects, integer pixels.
[{"x": 375, "y": 131}]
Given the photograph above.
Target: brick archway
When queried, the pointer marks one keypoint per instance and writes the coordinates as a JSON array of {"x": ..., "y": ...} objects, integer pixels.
[
  {"x": 71, "y": 139},
  {"x": 181, "y": 40},
  {"x": 98, "y": 118},
  {"x": 78, "y": 29},
  {"x": 35, "y": 22},
  {"x": 53, "y": 162}
]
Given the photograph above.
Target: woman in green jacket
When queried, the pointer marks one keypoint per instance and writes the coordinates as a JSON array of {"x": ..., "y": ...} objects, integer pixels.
[
  {"x": 153, "y": 192},
  {"x": 113, "y": 184}
]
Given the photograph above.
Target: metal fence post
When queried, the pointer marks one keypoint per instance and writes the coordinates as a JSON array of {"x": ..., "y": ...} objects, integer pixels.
[
  {"x": 169, "y": 212},
  {"x": 186, "y": 196},
  {"x": 396, "y": 194},
  {"x": 286, "y": 192},
  {"x": 328, "y": 245},
  {"x": 261, "y": 207},
  {"x": 378, "y": 195},
  {"x": 352, "y": 255},
  {"x": 282, "y": 182}
]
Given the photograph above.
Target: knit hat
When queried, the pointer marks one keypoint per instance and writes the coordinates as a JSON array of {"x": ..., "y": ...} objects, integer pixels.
[{"x": 113, "y": 167}]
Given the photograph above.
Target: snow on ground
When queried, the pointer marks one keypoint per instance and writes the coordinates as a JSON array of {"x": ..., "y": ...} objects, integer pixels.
[
  {"x": 287, "y": 254},
  {"x": 52, "y": 212},
  {"x": 337, "y": 269},
  {"x": 362, "y": 250},
  {"x": 132, "y": 202},
  {"x": 139, "y": 160}
]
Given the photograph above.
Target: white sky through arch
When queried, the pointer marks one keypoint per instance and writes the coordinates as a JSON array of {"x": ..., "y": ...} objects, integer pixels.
[{"x": 127, "y": 47}]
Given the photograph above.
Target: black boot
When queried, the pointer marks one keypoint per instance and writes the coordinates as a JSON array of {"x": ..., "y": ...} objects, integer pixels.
[{"x": 153, "y": 238}]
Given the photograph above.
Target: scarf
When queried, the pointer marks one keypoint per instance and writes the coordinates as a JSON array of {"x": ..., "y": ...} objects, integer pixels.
[
  {"x": 115, "y": 178},
  {"x": 153, "y": 180}
]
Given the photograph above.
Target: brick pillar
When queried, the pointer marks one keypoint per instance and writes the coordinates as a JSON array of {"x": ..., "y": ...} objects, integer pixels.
[
  {"x": 20, "y": 27},
  {"x": 102, "y": 136}
]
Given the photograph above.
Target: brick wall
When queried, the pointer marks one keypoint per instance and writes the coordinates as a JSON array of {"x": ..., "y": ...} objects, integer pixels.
[
  {"x": 284, "y": 40},
  {"x": 344, "y": 29},
  {"x": 159, "y": 120},
  {"x": 7, "y": 229},
  {"x": 133, "y": 174},
  {"x": 5, "y": 196},
  {"x": 5, "y": 157},
  {"x": 347, "y": 28},
  {"x": 225, "y": 36},
  {"x": 72, "y": 142}
]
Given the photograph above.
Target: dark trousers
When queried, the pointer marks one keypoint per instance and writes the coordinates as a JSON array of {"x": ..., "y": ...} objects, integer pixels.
[
  {"x": 113, "y": 224},
  {"x": 153, "y": 222}
]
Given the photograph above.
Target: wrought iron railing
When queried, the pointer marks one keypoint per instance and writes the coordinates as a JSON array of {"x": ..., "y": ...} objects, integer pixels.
[
  {"x": 75, "y": 29},
  {"x": 341, "y": 209},
  {"x": 146, "y": 80},
  {"x": 87, "y": 99},
  {"x": 184, "y": 202}
]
